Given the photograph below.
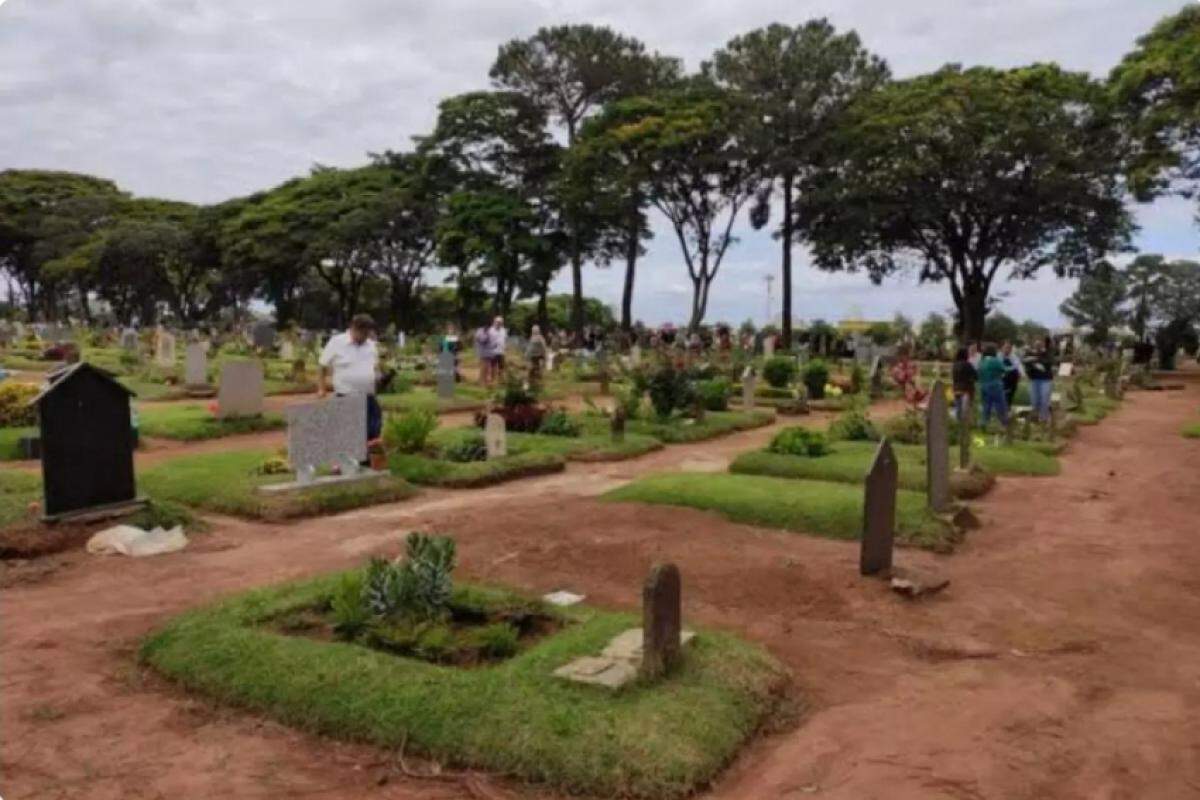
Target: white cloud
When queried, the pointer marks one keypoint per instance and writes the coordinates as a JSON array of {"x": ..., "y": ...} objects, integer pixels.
[{"x": 206, "y": 99}]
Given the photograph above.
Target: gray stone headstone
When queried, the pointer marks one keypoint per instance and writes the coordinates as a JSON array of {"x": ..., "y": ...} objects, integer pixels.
[
  {"x": 263, "y": 335},
  {"x": 195, "y": 365},
  {"x": 445, "y": 375},
  {"x": 768, "y": 347},
  {"x": 749, "y": 381},
  {"x": 240, "y": 393},
  {"x": 327, "y": 433},
  {"x": 164, "y": 349},
  {"x": 662, "y": 621},
  {"x": 287, "y": 350},
  {"x": 129, "y": 340},
  {"x": 879, "y": 512},
  {"x": 495, "y": 436},
  {"x": 937, "y": 449}
]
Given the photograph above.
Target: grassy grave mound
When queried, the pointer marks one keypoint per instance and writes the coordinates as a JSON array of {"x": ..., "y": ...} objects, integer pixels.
[
  {"x": 226, "y": 483},
  {"x": 511, "y": 716},
  {"x": 592, "y": 447},
  {"x": 422, "y": 469},
  {"x": 833, "y": 510},
  {"x": 10, "y": 442},
  {"x": 679, "y": 429},
  {"x": 18, "y": 489},
  {"x": 190, "y": 422},
  {"x": 849, "y": 461},
  {"x": 466, "y": 398}
]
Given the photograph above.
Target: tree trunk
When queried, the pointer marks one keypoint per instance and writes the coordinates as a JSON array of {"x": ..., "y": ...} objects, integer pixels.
[
  {"x": 543, "y": 307},
  {"x": 576, "y": 292},
  {"x": 973, "y": 313},
  {"x": 631, "y": 253},
  {"x": 786, "y": 236}
]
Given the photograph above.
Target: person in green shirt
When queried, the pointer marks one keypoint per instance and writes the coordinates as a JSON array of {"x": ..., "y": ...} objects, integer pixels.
[{"x": 991, "y": 386}]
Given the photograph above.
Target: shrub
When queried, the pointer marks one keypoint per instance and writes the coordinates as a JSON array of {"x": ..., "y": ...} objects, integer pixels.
[
  {"x": 853, "y": 426},
  {"x": 15, "y": 411},
  {"x": 908, "y": 428},
  {"x": 816, "y": 375},
  {"x": 558, "y": 423},
  {"x": 515, "y": 393},
  {"x": 669, "y": 390},
  {"x": 348, "y": 604},
  {"x": 471, "y": 446},
  {"x": 857, "y": 378},
  {"x": 799, "y": 442},
  {"x": 779, "y": 371},
  {"x": 128, "y": 358},
  {"x": 630, "y": 400},
  {"x": 418, "y": 587},
  {"x": 409, "y": 431},
  {"x": 435, "y": 643},
  {"x": 499, "y": 640},
  {"x": 714, "y": 394},
  {"x": 273, "y": 465}
]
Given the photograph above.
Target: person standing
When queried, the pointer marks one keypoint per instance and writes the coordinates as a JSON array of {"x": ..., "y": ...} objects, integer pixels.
[
  {"x": 1039, "y": 368},
  {"x": 1012, "y": 372},
  {"x": 991, "y": 386},
  {"x": 483, "y": 355},
  {"x": 351, "y": 359},
  {"x": 963, "y": 377},
  {"x": 536, "y": 353},
  {"x": 497, "y": 342}
]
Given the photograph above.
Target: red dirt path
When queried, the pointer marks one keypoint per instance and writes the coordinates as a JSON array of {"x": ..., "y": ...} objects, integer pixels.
[{"x": 1062, "y": 662}]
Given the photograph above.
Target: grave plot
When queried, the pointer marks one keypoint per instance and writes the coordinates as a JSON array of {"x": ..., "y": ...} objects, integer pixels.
[
  {"x": 399, "y": 655},
  {"x": 228, "y": 483},
  {"x": 190, "y": 422},
  {"x": 678, "y": 427},
  {"x": 18, "y": 422}
]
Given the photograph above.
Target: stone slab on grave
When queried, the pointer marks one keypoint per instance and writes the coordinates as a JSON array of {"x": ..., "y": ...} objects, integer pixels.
[
  {"x": 164, "y": 349},
  {"x": 879, "y": 512},
  {"x": 195, "y": 366},
  {"x": 937, "y": 449},
  {"x": 129, "y": 340},
  {"x": 495, "y": 436},
  {"x": 262, "y": 335},
  {"x": 1066, "y": 369},
  {"x": 749, "y": 385},
  {"x": 445, "y": 375},
  {"x": 329, "y": 433},
  {"x": 240, "y": 393}
]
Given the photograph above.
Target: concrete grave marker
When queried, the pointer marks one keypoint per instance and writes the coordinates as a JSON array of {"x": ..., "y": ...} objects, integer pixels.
[
  {"x": 749, "y": 381},
  {"x": 445, "y": 375},
  {"x": 164, "y": 349},
  {"x": 129, "y": 340},
  {"x": 1066, "y": 369},
  {"x": 328, "y": 433},
  {"x": 768, "y": 347},
  {"x": 287, "y": 350},
  {"x": 661, "y": 620},
  {"x": 195, "y": 365},
  {"x": 937, "y": 449},
  {"x": 241, "y": 390},
  {"x": 262, "y": 335},
  {"x": 496, "y": 437},
  {"x": 879, "y": 512}
]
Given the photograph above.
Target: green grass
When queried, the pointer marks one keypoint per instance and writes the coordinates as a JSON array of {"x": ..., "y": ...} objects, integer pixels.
[
  {"x": 679, "y": 430},
  {"x": 849, "y": 461},
  {"x": 594, "y": 447},
  {"x": 467, "y": 397},
  {"x": 194, "y": 422},
  {"x": 9, "y": 451},
  {"x": 226, "y": 483},
  {"x": 648, "y": 741},
  {"x": 1192, "y": 431},
  {"x": 422, "y": 469},
  {"x": 833, "y": 510},
  {"x": 17, "y": 490}
]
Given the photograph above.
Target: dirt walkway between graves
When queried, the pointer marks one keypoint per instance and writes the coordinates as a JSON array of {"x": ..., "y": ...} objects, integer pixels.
[{"x": 1062, "y": 662}]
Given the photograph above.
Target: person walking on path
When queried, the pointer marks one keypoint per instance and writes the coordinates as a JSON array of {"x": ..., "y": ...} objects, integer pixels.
[
  {"x": 991, "y": 386},
  {"x": 963, "y": 377},
  {"x": 351, "y": 359},
  {"x": 1039, "y": 368},
  {"x": 496, "y": 344},
  {"x": 1012, "y": 372}
]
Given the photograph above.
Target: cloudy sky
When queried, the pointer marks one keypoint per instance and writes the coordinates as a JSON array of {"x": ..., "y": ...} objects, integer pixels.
[{"x": 202, "y": 100}]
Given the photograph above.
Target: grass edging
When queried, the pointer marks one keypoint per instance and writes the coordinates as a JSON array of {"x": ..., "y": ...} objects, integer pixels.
[
  {"x": 647, "y": 741},
  {"x": 428, "y": 471}
]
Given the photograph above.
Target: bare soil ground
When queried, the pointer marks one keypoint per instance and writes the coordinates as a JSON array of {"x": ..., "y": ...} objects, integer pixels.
[{"x": 1062, "y": 662}]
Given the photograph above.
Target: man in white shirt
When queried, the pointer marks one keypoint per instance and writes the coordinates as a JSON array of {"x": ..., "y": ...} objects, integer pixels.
[
  {"x": 497, "y": 342},
  {"x": 353, "y": 361}
]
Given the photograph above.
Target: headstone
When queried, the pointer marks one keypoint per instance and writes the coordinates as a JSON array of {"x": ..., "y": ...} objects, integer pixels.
[
  {"x": 1065, "y": 369},
  {"x": 937, "y": 449},
  {"x": 661, "y": 621},
  {"x": 551, "y": 357},
  {"x": 496, "y": 437},
  {"x": 445, "y": 375},
  {"x": 262, "y": 335},
  {"x": 287, "y": 350},
  {"x": 164, "y": 349},
  {"x": 879, "y": 512},
  {"x": 195, "y": 365},
  {"x": 768, "y": 347},
  {"x": 876, "y": 378},
  {"x": 749, "y": 381},
  {"x": 241, "y": 391},
  {"x": 87, "y": 443},
  {"x": 328, "y": 433},
  {"x": 618, "y": 424},
  {"x": 129, "y": 340}
]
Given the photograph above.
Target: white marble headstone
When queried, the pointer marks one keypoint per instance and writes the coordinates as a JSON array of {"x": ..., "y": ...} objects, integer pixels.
[
  {"x": 1065, "y": 369},
  {"x": 496, "y": 437},
  {"x": 768, "y": 346},
  {"x": 749, "y": 384},
  {"x": 287, "y": 351},
  {"x": 164, "y": 352}
]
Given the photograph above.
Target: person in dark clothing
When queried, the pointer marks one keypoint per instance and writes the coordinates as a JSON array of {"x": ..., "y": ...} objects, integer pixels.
[
  {"x": 1012, "y": 372},
  {"x": 963, "y": 376},
  {"x": 1039, "y": 368}
]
